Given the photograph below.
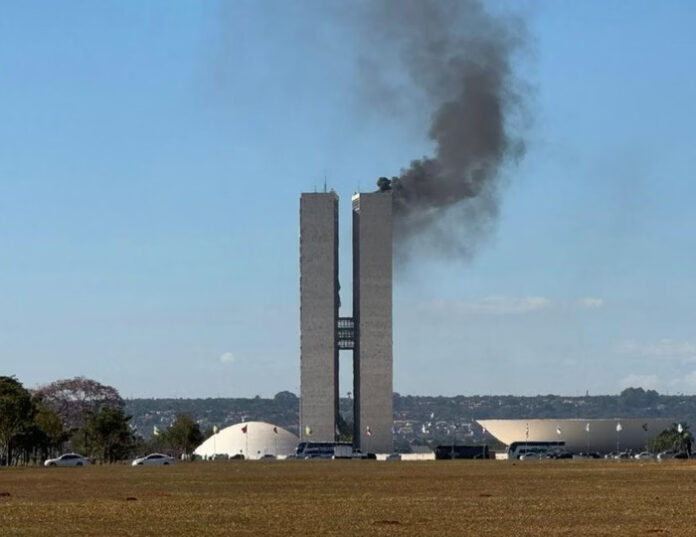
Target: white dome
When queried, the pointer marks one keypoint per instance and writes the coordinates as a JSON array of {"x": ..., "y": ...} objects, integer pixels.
[{"x": 253, "y": 439}]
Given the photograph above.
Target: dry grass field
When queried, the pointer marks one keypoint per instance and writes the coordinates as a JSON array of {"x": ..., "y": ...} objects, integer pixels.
[{"x": 331, "y": 498}]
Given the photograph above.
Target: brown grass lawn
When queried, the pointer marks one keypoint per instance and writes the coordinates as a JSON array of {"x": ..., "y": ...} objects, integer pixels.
[{"x": 463, "y": 498}]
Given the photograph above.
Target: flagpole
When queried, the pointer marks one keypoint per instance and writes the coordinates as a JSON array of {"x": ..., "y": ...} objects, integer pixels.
[
  {"x": 559, "y": 432},
  {"x": 526, "y": 438},
  {"x": 618, "y": 438}
]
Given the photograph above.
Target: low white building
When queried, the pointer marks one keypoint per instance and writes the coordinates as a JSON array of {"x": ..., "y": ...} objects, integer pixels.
[
  {"x": 602, "y": 435},
  {"x": 252, "y": 439}
]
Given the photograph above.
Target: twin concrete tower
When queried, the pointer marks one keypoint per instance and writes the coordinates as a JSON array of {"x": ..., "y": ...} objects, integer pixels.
[{"x": 368, "y": 333}]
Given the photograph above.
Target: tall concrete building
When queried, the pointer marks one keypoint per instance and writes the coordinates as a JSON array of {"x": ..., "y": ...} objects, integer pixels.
[
  {"x": 319, "y": 316},
  {"x": 368, "y": 333},
  {"x": 372, "y": 315}
]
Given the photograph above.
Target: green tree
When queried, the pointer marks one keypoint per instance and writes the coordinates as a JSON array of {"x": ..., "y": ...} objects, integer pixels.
[
  {"x": 16, "y": 413},
  {"x": 637, "y": 398},
  {"x": 672, "y": 439},
  {"x": 184, "y": 435},
  {"x": 107, "y": 435},
  {"x": 49, "y": 423},
  {"x": 345, "y": 429}
]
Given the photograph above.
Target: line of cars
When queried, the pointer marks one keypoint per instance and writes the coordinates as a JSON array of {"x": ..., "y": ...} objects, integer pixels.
[
  {"x": 75, "y": 459},
  {"x": 557, "y": 450},
  {"x": 647, "y": 455},
  {"x": 643, "y": 455}
]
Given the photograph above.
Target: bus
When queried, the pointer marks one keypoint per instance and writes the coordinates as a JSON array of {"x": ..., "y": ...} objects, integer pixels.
[
  {"x": 324, "y": 450},
  {"x": 517, "y": 449}
]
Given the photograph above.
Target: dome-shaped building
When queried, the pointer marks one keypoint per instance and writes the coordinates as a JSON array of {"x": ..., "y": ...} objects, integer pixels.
[
  {"x": 253, "y": 439},
  {"x": 602, "y": 435}
]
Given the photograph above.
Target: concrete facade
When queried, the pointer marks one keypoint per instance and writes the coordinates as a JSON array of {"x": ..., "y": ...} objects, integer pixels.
[
  {"x": 372, "y": 313},
  {"x": 318, "y": 316}
]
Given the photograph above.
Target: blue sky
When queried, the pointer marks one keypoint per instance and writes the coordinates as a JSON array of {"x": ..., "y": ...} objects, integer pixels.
[{"x": 151, "y": 161}]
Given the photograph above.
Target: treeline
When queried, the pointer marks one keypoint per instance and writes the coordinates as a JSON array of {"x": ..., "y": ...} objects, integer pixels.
[
  {"x": 281, "y": 410},
  {"x": 449, "y": 412},
  {"x": 83, "y": 416}
]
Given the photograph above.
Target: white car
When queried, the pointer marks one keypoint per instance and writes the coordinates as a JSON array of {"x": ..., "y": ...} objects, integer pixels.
[
  {"x": 68, "y": 459},
  {"x": 645, "y": 456},
  {"x": 154, "y": 459},
  {"x": 531, "y": 456}
]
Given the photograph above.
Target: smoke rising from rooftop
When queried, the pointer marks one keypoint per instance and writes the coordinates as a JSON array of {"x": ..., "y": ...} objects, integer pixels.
[{"x": 461, "y": 57}]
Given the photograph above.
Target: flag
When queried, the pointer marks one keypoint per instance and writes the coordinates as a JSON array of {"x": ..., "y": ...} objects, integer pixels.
[
  {"x": 155, "y": 430},
  {"x": 215, "y": 429},
  {"x": 244, "y": 429},
  {"x": 618, "y": 428},
  {"x": 587, "y": 427},
  {"x": 368, "y": 431},
  {"x": 680, "y": 429},
  {"x": 308, "y": 430},
  {"x": 558, "y": 430},
  {"x": 275, "y": 430}
]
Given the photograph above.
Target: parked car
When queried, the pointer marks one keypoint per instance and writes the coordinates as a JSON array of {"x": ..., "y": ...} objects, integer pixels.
[
  {"x": 558, "y": 454},
  {"x": 645, "y": 456},
  {"x": 68, "y": 459},
  {"x": 588, "y": 455},
  {"x": 154, "y": 459},
  {"x": 531, "y": 456}
]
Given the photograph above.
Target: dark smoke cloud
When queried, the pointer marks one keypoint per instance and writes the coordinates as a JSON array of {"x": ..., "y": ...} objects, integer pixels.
[{"x": 461, "y": 57}]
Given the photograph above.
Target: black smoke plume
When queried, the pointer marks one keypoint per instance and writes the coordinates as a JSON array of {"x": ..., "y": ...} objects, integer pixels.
[{"x": 462, "y": 58}]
